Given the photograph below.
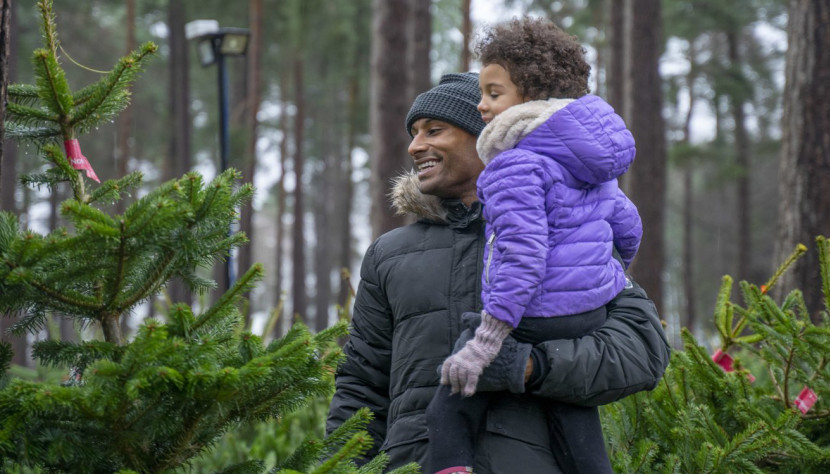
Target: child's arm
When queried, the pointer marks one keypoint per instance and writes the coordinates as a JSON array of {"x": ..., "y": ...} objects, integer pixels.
[
  {"x": 513, "y": 193},
  {"x": 627, "y": 227}
]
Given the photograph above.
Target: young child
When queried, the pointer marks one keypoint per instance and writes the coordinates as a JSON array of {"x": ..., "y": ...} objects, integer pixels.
[{"x": 554, "y": 215}]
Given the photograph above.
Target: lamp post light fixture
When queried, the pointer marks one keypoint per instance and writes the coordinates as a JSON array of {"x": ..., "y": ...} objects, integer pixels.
[{"x": 214, "y": 43}]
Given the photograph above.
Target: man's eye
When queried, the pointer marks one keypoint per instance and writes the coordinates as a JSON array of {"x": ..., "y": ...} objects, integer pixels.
[{"x": 433, "y": 131}]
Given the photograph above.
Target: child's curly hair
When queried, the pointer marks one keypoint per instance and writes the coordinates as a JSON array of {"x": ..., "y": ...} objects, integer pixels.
[{"x": 542, "y": 59}]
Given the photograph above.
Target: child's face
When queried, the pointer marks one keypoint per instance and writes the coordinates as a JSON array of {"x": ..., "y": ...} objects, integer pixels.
[{"x": 498, "y": 93}]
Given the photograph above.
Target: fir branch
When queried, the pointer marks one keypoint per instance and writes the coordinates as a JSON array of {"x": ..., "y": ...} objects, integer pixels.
[
  {"x": 110, "y": 95},
  {"x": 800, "y": 249},
  {"x": 242, "y": 285},
  {"x": 24, "y": 93},
  {"x": 35, "y": 135},
  {"x": 53, "y": 88},
  {"x": 824, "y": 267},
  {"x": 29, "y": 114}
]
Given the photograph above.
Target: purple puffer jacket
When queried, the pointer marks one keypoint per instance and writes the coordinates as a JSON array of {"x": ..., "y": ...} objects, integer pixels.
[{"x": 553, "y": 209}]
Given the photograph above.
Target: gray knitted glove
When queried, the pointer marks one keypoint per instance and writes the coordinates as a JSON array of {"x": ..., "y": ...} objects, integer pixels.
[
  {"x": 462, "y": 369},
  {"x": 507, "y": 371}
]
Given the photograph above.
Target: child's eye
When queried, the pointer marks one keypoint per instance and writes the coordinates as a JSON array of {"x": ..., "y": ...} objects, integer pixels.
[{"x": 493, "y": 96}]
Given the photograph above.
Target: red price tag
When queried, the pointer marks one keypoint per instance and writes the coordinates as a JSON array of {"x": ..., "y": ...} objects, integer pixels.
[
  {"x": 805, "y": 400},
  {"x": 725, "y": 361},
  {"x": 78, "y": 160}
]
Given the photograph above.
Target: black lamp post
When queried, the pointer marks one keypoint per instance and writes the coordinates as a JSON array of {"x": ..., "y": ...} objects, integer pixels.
[{"x": 214, "y": 44}]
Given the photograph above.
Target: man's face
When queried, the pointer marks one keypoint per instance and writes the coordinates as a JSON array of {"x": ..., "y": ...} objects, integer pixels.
[
  {"x": 445, "y": 159},
  {"x": 498, "y": 93}
]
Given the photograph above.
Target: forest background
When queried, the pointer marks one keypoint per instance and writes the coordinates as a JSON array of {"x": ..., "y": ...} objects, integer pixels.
[{"x": 727, "y": 177}]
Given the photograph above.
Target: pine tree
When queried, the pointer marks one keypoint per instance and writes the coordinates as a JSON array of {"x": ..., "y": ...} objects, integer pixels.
[
  {"x": 153, "y": 403},
  {"x": 753, "y": 413}
]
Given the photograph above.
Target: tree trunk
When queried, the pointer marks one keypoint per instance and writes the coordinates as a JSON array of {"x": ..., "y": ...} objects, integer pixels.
[
  {"x": 254, "y": 79},
  {"x": 647, "y": 182},
  {"x": 805, "y": 168},
  {"x": 690, "y": 319},
  {"x": 8, "y": 162},
  {"x": 742, "y": 161},
  {"x": 8, "y": 148},
  {"x": 279, "y": 301},
  {"x": 324, "y": 222},
  {"x": 388, "y": 106},
  {"x": 347, "y": 192},
  {"x": 125, "y": 120},
  {"x": 5, "y": 44},
  {"x": 419, "y": 45},
  {"x": 466, "y": 35},
  {"x": 178, "y": 162},
  {"x": 298, "y": 288}
]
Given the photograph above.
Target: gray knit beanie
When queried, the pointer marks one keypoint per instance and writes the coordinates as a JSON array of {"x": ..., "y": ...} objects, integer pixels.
[{"x": 453, "y": 100}]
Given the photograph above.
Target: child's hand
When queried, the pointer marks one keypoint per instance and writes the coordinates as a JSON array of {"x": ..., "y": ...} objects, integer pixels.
[{"x": 462, "y": 369}]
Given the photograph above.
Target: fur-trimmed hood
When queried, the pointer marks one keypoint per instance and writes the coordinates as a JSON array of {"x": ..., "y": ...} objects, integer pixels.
[{"x": 407, "y": 198}]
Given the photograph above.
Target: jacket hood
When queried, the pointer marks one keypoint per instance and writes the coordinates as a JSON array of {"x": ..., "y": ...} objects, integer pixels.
[
  {"x": 407, "y": 198},
  {"x": 585, "y": 136}
]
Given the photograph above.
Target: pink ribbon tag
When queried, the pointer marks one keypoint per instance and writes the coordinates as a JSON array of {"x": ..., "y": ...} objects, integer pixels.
[
  {"x": 805, "y": 400},
  {"x": 78, "y": 160},
  {"x": 725, "y": 361}
]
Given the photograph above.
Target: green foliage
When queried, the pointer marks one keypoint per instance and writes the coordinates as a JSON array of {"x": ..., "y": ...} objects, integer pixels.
[
  {"x": 702, "y": 418},
  {"x": 154, "y": 403},
  {"x": 171, "y": 231},
  {"x": 166, "y": 396}
]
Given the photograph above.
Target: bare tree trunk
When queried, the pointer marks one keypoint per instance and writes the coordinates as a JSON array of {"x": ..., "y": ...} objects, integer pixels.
[
  {"x": 805, "y": 168},
  {"x": 347, "y": 192},
  {"x": 298, "y": 287},
  {"x": 324, "y": 222},
  {"x": 742, "y": 160},
  {"x": 125, "y": 120},
  {"x": 5, "y": 44},
  {"x": 278, "y": 250},
  {"x": 690, "y": 319},
  {"x": 178, "y": 162},
  {"x": 616, "y": 77},
  {"x": 388, "y": 108},
  {"x": 8, "y": 162},
  {"x": 252, "y": 89},
  {"x": 419, "y": 44},
  {"x": 8, "y": 147},
  {"x": 466, "y": 35},
  {"x": 647, "y": 181}
]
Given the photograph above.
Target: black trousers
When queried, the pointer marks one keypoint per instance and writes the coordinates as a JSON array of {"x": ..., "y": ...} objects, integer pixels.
[{"x": 575, "y": 431}]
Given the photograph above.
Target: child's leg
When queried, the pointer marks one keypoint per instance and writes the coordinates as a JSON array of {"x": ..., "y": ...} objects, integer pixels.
[
  {"x": 576, "y": 438},
  {"x": 575, "y": 431},
  {"x": 454, "y": 423}
]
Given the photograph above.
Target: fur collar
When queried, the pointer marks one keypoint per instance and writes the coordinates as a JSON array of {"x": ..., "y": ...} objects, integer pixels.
[
  {"x": 509, "y": 127},
  {"x": 407, "y": 198}
]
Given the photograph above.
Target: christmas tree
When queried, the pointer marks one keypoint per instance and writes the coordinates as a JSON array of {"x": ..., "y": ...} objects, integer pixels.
[
  {"x": 765, "y": 410},
  {"x": 152, "y": 403}
]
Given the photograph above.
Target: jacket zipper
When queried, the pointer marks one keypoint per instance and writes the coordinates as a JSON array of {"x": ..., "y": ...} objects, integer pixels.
[{"x": 489, "y": 256}]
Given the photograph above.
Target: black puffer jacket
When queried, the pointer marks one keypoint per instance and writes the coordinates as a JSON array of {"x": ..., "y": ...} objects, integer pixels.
[{"x": 416, "y": 281}]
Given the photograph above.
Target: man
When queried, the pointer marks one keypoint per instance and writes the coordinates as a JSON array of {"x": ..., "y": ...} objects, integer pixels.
[{"x": 417, "y": 280}]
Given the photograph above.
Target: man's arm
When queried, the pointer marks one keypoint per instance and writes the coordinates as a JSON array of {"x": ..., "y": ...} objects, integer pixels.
[
  {"x": 363, "y": 379},
  {"x": 628, "y": 354}
]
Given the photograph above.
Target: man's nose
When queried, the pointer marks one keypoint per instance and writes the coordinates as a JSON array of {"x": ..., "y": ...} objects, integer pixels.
[{"x": 416, "y": 145}]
